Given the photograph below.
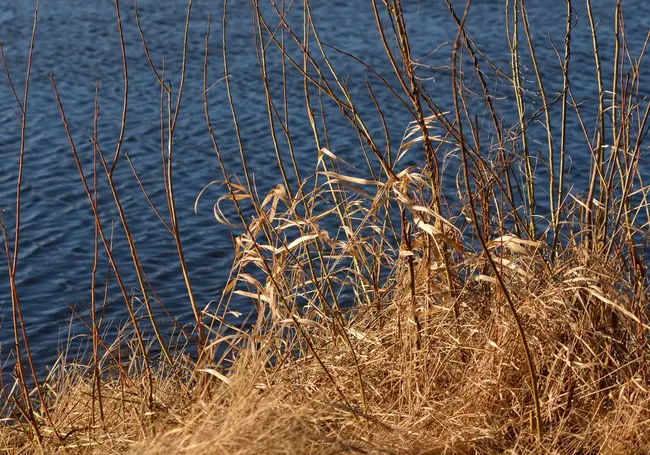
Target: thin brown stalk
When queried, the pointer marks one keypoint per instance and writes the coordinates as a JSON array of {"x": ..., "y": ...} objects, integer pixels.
[
  {"x": 97, "y": 384},
  {"x": 125, "y": 94},
  {"x": 493, "y": 266},
  {"x": 137, "y": 264},
  {"x": 521, "y": 108},
  {"x": 108, "y": 249},
  {"x": 547, "y": 114},
  {"x": 598, "y": 171}
]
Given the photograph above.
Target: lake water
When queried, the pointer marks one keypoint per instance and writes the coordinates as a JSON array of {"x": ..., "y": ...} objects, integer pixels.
[{"x": 77, "y": 41}]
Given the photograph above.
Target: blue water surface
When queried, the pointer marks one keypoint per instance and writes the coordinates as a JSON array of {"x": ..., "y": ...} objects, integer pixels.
[{"x": 78, "y": 41}]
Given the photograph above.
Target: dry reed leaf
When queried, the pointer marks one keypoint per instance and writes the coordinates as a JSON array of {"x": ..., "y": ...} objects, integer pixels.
[
  {"x": 301, "y": 240},
  {"x": 276, "y": 194},
  {"x": 407, "y": 146},
  {"x": 242, "y": 277},
  {"x": 233, "y": 337},
  {"x": 361, "y": 336},
  {"x": 250, "y": 279},
  {"x": 580, "y": 203},
  {"x": 236, "y": 196},
  {"x": 219, "y": 216},
  {"x": 514, "y": 244},
  {"x": 293, "y": 245},
  {"x": 512, "y": 266},
  {"x": 325, "y": 151},
  {"x": 415, "y": 128},
  {"x": 198, "y": 197},
  {"x": 230, "y": 286},
  {"x": 320, "y": 216},
  {"x": 288, "y": 224},
  {"x": 486, "y": 278},
  {"x": 303, "y": 322},
  {"x": 581, "y": 279},
  {"x": 216, "y": 374},
  {"x": 260, "y": 297},
  {"x": 430, "y": 212},
  {"x": 438, "y": 234},
  {"x": 335, "y": 177},
  {"x": 599, "y": 294}
]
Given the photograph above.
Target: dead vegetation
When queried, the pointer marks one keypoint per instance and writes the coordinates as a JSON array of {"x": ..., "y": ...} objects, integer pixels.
[{"x": 477, "y": 326}]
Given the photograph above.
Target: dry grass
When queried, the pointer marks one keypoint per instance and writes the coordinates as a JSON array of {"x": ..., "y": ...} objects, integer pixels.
[
  {"x": 465, "y": 391},
  {"x": 471, "y": 329}
]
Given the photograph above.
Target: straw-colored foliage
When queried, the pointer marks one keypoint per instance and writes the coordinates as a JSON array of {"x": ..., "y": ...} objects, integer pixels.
[
  {"x": 393, "y": 315},
  {"x": 465, "y": 391}
]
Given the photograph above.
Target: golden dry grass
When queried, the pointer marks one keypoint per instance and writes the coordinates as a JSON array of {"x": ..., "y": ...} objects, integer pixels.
[
  {"x": 393, "y": 316},
  {"x": 465, "y": 391}
]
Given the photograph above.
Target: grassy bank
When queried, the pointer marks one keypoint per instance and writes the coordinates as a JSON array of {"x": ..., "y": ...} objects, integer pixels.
[
  {"x": 480, "y": 323},
  {"x": 464, "y": 390}
]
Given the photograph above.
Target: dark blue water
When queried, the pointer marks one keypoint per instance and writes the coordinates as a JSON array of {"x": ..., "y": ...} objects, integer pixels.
[{"x": 77, "y": 41}]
